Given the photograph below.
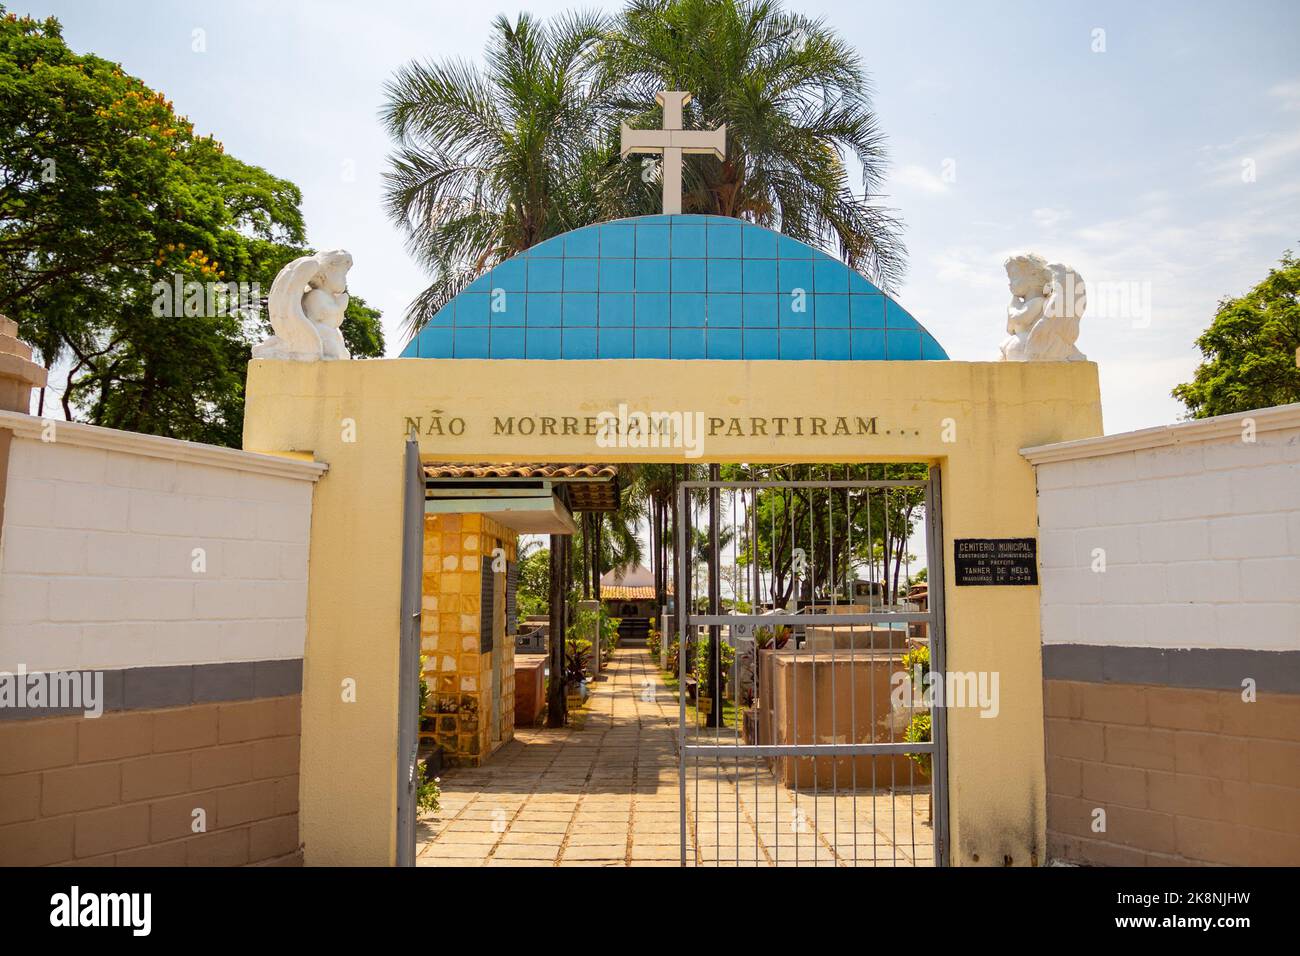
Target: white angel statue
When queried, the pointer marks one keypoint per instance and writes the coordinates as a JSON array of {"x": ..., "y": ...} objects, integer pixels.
[
  {"x": 1047, "y": 302},
  {"x": 307, "y": 302}
]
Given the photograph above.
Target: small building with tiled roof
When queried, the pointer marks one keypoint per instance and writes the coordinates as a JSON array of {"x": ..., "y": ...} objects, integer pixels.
[{"x": 629, "y": 595}]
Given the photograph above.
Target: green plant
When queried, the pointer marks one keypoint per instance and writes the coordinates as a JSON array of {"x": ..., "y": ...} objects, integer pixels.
[
  {"x": 428, "y": 792},
  {"x": 673, "y": 659},
  {"x": 918, "y": 732},
  {"x": 426, "y": 723},
  {"x": 577, "y": 655},
  {"x": 608, "y": 633},
  {"x": 701, "y": 662},
  {"x": 653, "y": 641},
  {"x": 771, "y": 635},
  {"x": 918, "y": 656},
  {"x": 599, "y": 620}
]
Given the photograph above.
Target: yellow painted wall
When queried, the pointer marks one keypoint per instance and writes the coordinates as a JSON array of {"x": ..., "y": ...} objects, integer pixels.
[{"x": 353, "y": 415}]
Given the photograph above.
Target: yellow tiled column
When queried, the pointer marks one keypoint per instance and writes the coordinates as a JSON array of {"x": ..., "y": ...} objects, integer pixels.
[{"x": 459, "y": 675}]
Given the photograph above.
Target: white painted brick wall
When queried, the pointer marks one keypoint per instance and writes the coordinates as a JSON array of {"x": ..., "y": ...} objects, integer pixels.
[
  {"x": 1202, "y": 545},
  {"x": 97, "y": 560}
]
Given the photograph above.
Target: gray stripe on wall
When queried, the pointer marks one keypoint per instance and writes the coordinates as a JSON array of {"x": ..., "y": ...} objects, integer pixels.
[
  {"x": 1274, "y": 672},
  {"x": 150, "y": 688}
]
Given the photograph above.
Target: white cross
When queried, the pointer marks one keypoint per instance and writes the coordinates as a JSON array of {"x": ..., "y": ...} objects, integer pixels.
[{"x": 672, "y": 141}]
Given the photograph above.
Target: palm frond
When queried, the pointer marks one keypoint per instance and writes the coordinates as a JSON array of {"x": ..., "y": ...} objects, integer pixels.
[{"x": 491, "y": 160}]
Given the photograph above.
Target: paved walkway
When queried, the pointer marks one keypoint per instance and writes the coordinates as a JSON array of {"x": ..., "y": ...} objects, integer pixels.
[{"x": 605, "y": 793}]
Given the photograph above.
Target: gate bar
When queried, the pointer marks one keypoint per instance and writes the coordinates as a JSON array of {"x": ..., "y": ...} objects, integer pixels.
[
  {"x": 408, "y": 653},
  {"x": 687, "y": 578},
  {"x": 814, "y": 620},
  {"x": 809, "y": 750},
  {"x": 824, "y": 483},
  {"x": 935, "y": 574}
]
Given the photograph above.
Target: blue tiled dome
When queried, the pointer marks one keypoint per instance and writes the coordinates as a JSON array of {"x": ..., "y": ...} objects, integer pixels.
[{"x": 681, "y": 287}]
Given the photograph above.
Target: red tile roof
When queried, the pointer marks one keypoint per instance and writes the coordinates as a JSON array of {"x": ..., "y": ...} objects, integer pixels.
[{"x": 550, "y": 471}]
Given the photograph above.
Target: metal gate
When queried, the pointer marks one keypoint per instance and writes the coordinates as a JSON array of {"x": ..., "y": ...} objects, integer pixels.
[
  {"x": 408, "y": 652},
  {"x": 788, "y": 755}
]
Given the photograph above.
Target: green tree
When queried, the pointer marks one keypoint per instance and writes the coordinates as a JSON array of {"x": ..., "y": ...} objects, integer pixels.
[
  {"x": 490, "y": 162},
  {"x": 363, "y": 332},
  {"x": 702, "y": 556},
  {"x": 1251, "y": 351},
  {"x": 652, "y": 487},
  {"x": 609, "y": 538},
  {"x": 841, "y": 532},
  {"x": 109, "y": 201},
  {"x": 795, "y": 100},
  {"x": 534, "y": 590}
]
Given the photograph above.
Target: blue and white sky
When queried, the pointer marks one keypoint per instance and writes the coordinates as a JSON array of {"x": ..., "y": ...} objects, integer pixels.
[{"x": 1154, "y": 147}]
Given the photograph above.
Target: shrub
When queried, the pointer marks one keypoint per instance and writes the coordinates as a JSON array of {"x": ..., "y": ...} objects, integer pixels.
[
  {"x": 608, "y": 633},
  {"x": 577, "y": 655},
  {"x": 917, "y": 656},
  {"x": 606, "y": 627},
  {"x": 701, "y": 662},
  {"x": 916, "y": 665},
  {"x": 428, "y": 792},
  {"x": 917, "y": 732},
  {"x": 653, "y": 642}
]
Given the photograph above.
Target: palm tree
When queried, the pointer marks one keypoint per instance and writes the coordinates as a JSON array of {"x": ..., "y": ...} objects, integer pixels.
[
  {"x": 491, "y": 161},
  {"x": 702, "y": 550},
  {"x": 608, "y": 541},
  {"x": 654, "y": 484},
  {"x": 619, "y": 547},
  {"x": 796, "y": 102}
]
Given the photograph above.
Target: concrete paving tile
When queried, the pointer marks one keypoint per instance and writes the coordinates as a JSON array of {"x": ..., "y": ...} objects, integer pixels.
[
  {"x": 497, "y": 861},
  {"x": 613, "y": 774},
  {"x": 480, "y": 837},
  {"x": 604, "y": 851},
  {"x": 460, "y": 851},
  {"x": 539, "y": 826},
  {"x": 523, "y": 851}
]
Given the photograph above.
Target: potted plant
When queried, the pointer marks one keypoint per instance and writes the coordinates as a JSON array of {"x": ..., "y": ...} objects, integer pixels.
[{"x": 577, "y": 652}]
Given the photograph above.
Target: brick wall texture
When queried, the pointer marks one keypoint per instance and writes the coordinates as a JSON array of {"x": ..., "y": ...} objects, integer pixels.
[
  {"x": 112, "y": 559},
  {"x": 122, "y": 789},
  {"x": 1185, "y": 776},
  {"x": 1201, "y": 543},
  {"x": 1200, "y": 589}
]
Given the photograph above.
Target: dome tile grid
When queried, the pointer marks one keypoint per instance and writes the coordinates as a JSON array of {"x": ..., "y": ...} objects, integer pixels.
[{"x": 680, "y": 287}]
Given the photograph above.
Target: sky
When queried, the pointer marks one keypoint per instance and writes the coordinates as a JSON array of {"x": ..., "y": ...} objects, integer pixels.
[{"x": 1153, "y": 147}]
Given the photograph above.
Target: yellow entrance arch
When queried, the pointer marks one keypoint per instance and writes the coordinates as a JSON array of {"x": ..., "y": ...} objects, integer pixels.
[{"x": 972, "y": 418}]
